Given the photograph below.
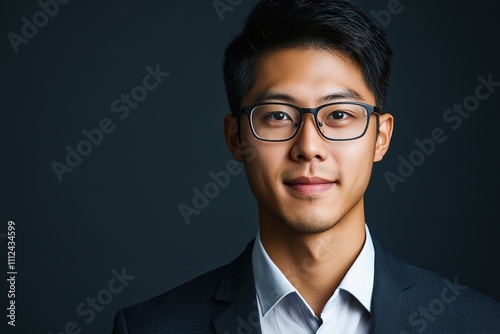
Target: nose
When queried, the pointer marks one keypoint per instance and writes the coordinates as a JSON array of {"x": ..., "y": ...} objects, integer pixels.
[{"x": 309, "y": 144}]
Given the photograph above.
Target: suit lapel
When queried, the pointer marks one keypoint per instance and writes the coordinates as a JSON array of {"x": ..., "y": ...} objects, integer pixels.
[
  {"x": 391, "y": 285},
  {"x": 237, "y": 288}
]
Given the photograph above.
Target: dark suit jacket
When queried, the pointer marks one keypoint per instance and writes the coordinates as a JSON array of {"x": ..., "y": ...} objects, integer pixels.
[{"x": 405, "y": 299}]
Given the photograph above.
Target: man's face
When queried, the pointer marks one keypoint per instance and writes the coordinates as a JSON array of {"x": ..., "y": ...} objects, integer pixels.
[{"x": 308, "y": 183}]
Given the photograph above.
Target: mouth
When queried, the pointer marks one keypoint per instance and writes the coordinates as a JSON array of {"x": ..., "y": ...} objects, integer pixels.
[{"x": 309, "y": 185}]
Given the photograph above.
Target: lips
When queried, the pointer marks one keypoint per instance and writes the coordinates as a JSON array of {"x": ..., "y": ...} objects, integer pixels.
[{"x": 309, "y": 185}]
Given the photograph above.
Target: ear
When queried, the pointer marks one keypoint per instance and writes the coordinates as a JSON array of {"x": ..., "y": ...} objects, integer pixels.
[
  {"x": 386, "y": 124},
  {"x": 232, "y": 137}
]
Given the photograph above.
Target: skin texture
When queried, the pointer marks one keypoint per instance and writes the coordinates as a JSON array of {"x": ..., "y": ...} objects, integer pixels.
[{"x": 313, "y": 233}]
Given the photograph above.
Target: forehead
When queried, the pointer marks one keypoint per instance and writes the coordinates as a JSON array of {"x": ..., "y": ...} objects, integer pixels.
[{"x": 307, "y": 75}]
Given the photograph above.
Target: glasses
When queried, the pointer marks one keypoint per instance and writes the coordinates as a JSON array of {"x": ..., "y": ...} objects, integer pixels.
[{"x": 338, "y": 121}]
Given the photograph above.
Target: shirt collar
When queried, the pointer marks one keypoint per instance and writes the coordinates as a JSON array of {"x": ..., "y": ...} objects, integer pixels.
[
  {"x": 270, "y": 283},
  {"x": 358, "y": 281},
  {"x": 272, "y": 286}
]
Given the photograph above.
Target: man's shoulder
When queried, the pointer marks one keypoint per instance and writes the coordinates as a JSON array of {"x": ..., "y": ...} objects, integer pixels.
[
  {"x": 174, "y": 310},
  {"x": 449, "y": 290},
  {"x": 423, "y": 300},
  {"x": 190, "y": 307}
]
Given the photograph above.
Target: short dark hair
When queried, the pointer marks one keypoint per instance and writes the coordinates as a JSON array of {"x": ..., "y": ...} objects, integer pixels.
[{"x": 337, "y": 25}]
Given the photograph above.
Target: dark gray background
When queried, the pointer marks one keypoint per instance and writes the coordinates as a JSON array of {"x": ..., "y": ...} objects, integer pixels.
[{"x": 119, "y": 208}]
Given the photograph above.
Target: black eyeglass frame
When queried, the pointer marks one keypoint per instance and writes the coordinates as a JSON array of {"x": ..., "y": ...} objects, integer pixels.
[{"x": 370, "y": 109}]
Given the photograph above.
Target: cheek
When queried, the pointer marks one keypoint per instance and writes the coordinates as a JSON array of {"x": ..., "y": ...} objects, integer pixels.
[
  {"x": 264, "y": 159},
  {"x": 263, "y": 165},
  {"x": 355, "y": 161}
]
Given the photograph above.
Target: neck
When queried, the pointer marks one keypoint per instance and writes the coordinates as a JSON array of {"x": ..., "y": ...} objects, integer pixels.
[{"x": 315, "y": 264}]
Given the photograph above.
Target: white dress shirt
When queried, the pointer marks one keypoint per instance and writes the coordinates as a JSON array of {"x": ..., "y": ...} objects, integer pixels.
[{"x": 283, "y": 310}]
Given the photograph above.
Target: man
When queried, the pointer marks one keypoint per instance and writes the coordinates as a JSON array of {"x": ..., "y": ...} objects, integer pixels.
[{"x": 307, "y": 82}]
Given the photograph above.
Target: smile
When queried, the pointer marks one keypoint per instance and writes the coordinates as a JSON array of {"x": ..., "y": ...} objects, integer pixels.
[{"x": 309, "y": 185}]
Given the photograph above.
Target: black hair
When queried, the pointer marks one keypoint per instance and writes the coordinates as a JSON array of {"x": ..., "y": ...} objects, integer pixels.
[{"x": 336, "y": 25}]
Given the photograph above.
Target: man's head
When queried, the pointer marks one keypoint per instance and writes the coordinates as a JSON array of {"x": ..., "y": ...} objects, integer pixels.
[{"x": 295, "y": 56}]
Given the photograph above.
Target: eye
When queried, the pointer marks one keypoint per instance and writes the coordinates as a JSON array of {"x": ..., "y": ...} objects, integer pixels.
[
  {"x": 278, "y": 116},
  {"x": 339, "y": 115}
]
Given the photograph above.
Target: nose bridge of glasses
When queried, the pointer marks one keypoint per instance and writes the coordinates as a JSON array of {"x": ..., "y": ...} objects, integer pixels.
[{"x": 313, "y": 118}]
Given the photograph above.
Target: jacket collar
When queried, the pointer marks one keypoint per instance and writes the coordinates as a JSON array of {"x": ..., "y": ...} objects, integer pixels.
[
  {"x": 237, "y": 287},
  {"x": 391, "y": 282}
]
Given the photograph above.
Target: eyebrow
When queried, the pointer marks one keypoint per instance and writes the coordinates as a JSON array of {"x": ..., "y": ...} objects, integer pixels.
[{"x": 343, "y": 94}]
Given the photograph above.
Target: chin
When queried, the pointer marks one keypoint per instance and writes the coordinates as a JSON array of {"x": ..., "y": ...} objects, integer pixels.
[{"x": 309, "y": 225}]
